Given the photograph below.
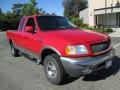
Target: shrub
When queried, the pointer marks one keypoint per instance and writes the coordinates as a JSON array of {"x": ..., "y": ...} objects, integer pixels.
[
  {"x": 100, "y": 26},
  {"x": 1, "y": 30},
  {"x": 109, "y": 30},
  {"x": 91, "y": 28},
  {"x": 99, "y": 29},
  {"x": 84, "y": 25},
  {"x": 77, "y": 21}
]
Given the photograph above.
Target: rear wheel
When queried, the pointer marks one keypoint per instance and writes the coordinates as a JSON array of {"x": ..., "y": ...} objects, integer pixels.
[
  {"x": 53, "y": 69},
  {"x": 15, "y": 52}
]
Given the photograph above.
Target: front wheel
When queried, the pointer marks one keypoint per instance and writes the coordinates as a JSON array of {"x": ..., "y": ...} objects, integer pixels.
[
  {"x": 53, "y": 69},
  {"x": 15, "y": 52}
]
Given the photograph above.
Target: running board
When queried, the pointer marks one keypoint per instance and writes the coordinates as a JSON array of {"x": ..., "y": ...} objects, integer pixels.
[{"x": 36, "y": 61}]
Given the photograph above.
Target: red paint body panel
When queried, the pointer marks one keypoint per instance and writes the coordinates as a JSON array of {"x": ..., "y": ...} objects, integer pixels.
[{"x": 59, "y": 39}]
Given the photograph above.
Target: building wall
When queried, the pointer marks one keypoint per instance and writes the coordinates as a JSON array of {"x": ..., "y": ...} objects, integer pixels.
[
  {"x": 97, "y": 4},
  {"x": 84, "y": 15},
  {"x": 101, "y": 3},
  {"x": 110, "y": 21},
  {"x": 91, "y": 5}
]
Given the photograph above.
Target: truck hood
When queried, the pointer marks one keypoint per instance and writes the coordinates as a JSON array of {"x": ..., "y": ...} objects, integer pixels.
[{"x": 76, "y": 36}]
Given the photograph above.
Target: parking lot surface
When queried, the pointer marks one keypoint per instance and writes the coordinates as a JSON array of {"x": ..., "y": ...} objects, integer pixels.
[{"x": 19, "y": 73}]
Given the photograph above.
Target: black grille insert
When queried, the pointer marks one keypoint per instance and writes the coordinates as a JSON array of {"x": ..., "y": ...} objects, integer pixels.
[{"x": 100, "y": 46}]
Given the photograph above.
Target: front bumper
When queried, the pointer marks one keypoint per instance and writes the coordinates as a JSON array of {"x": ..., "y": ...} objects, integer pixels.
[{"x": 86, "y": 65}]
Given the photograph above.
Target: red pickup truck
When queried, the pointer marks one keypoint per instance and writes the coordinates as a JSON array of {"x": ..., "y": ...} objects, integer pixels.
[{"x": 61, "y": 47}]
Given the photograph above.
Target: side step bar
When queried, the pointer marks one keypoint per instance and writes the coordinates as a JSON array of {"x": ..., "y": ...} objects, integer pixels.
[{"x": 36, "y": 61}]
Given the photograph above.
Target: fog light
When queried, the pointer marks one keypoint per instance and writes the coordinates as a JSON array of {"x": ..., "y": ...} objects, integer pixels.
[{"x": 87, "y": 71}]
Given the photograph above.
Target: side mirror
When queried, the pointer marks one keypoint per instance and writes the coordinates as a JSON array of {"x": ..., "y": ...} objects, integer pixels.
[{"x": 29, "y": 29}]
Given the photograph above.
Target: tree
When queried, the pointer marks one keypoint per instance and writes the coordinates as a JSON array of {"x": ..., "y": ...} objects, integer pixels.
[
  {"x": 29, "y": 9},
  {"x": 73, "y": 7},
  {"x": 1, "y": 21},
  {"x": 10, "y": 20},
  {"x": 17, "y": 10},
  {"x": 0, "y": 11},
  {"x": 53, "y": 14},
  {"x": 26, "y": 9}
]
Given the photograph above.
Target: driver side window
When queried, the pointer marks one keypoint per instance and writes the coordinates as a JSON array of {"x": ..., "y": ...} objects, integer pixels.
[{"x": 31, "y": 22}]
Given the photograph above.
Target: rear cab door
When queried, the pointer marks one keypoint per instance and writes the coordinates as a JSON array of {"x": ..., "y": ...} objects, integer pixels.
[{"x": 18, "y": 38}]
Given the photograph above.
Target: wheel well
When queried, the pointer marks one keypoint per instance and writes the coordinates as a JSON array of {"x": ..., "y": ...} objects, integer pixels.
[{"x": 47, "y": 52}]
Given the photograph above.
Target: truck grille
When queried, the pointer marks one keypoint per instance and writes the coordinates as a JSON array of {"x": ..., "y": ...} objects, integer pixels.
[{"x": 100, "y": 47}]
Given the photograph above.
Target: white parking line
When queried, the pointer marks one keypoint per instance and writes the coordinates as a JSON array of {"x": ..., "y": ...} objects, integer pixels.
[{"x": 117, "y": 45}]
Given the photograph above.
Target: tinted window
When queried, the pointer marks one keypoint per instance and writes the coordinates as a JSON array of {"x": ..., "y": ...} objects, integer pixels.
[
  {"x": 53, "y": 23},
  {"x": 21, "y": 25}
]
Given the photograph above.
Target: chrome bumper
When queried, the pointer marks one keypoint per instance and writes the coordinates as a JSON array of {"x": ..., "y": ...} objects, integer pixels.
[{"x": 85, "y": 65}]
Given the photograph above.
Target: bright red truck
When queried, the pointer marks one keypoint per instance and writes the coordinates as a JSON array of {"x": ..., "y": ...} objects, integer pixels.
[{"x": 61, "y": 47}]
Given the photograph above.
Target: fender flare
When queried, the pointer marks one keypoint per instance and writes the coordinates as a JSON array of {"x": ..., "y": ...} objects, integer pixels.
[{"x": 50, "y": 48}]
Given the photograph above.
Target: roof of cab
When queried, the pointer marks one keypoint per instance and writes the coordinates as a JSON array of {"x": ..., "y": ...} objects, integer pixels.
[{"x": 37, "y": 15}]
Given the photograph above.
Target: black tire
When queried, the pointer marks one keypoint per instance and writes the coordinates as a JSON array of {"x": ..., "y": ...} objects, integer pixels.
[
  {"x": 54, "y": 59},
  {"x": 15, "y": 52}
]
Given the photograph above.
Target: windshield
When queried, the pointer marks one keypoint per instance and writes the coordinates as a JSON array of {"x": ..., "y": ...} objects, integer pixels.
[{"x": 47, "y": 23}]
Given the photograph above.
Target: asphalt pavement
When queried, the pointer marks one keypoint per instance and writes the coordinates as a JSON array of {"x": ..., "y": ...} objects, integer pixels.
[{"x": 19, "y": 73}]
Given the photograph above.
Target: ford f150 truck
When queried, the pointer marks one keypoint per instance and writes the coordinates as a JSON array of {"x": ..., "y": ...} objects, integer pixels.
[{"x": 61, "y": 47}]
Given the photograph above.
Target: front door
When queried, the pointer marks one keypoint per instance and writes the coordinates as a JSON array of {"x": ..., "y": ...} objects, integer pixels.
[{"x": 31, "y": 42}]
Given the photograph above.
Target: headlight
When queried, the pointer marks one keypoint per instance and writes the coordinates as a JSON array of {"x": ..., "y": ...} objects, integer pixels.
[{"x": 73, "y": 50}]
